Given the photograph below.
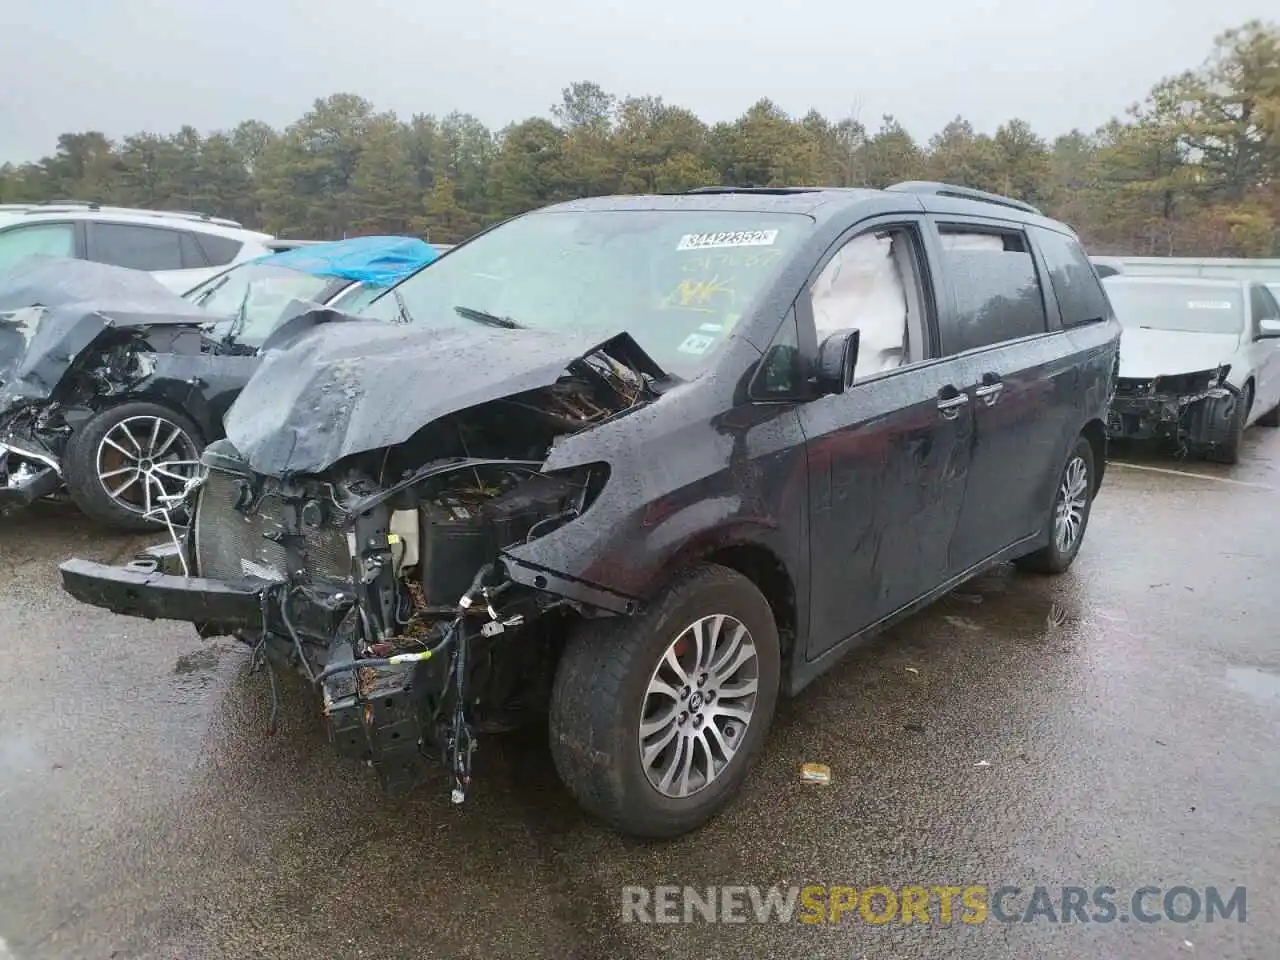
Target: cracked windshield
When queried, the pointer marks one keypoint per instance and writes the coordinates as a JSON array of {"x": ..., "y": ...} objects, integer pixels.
[
  {"x": 678, "y": 282},
  {"x": 598, "y": 482}
]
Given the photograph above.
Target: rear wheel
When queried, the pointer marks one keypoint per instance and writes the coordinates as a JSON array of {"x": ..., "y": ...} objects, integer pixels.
[
  {"x": 656, "y": 719},
  {"x": 1069, "y": 517},
  {"x": 1271, "y": 418},
  {"x": 123, "y": 461}
]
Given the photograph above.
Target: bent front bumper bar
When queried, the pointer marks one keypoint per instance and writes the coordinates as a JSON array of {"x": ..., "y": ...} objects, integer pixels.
[
  {"x": 1201, "y": 419},
  {"x": 25, "y": 477},
  {"x": 143, "y": 589}
]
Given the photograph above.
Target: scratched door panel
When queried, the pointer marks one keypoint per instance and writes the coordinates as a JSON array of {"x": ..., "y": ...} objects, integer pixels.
[{"x": 887, "y": 478}]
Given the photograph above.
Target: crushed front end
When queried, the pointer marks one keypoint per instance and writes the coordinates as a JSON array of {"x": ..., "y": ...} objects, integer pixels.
[
  {"x": 384, "y": 578},
  {"x": 77, "y": 338},
  {"x": 1192, "y": 410}
]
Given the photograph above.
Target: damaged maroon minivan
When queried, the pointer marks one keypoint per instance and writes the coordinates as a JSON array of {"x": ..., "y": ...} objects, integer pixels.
[{"x": 639, "y": 465}]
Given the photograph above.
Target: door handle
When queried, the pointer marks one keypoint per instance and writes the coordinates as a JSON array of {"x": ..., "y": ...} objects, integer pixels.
[
  {"x": 990, "y": 389},
  {"x": 989, "y": 393},
  {"x": 949, "y": 406}
]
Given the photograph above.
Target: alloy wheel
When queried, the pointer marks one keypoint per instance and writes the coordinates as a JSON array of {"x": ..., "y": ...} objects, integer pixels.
[
  {"x": 142, "y": 461},
  {"x": 698, "y": 705},
  {"x": 1073, "y": 498}
]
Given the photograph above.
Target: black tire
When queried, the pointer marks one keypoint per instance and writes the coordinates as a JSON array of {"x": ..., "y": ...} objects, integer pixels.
[
  {"x": 1052, "y": 559},
  {"x": 1271, "y": 418},
  {"x": 599, "y": 698},
  {"x": 80, "y": 464},
  {"x": 1229, "y": 452}
]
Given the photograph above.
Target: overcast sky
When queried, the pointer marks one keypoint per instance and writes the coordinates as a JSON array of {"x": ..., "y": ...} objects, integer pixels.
[{"x": 121, "y": 66}]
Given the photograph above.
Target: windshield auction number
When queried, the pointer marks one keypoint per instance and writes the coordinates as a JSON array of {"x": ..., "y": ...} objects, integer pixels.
[{"x": 732, "y": 238}]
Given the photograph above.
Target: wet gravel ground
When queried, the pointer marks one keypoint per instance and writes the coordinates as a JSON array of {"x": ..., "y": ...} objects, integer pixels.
[{"x": 1113, "y": 727}]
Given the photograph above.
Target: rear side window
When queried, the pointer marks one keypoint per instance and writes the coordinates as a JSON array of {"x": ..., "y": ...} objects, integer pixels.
[
  {"x": 219, "y": 251},
  {"x": 997, "y": 292},
  {"x": 1072, "y": 276},
  {"x": 140, "y": 248}
]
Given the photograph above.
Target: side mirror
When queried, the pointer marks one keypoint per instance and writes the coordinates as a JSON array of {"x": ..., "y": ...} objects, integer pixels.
[
  {"x": 1268, "y": 329},
  {"x": 837, "y": 357}
]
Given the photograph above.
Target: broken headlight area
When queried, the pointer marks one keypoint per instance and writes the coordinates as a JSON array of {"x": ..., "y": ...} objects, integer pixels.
[
  {"x": 1191, "y": 409},
  {"x": 30, "y": 457}
]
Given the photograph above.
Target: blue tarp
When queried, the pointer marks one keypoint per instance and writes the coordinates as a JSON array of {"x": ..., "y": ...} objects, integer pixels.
[{"x": 373, "y": 261}]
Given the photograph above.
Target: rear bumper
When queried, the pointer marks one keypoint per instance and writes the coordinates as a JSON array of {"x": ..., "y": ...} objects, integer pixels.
[
  {"x": 26, "y": 477},
  {"x": 143, "y": 589}
]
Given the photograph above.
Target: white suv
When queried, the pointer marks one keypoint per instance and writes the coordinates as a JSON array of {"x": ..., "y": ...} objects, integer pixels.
[{"x": 180, "y": 249}]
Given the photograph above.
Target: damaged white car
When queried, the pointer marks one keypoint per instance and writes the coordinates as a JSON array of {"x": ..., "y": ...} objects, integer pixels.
[{"x": 1199, "y": 362}]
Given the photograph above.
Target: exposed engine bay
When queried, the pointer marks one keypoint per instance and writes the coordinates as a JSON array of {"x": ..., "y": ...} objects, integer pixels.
[{"x": 386, "y": 581}]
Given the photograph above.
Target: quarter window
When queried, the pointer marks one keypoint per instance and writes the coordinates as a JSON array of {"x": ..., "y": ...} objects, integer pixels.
[
  {"x": 1074, "y": 281},
  {"x": 872, "y": 284},
  {"x": 192, "y": 255},
  {"x": 219, "y": 251},
  {"x": 141, "y": 248},
  {"x": 997, "y": 292},
  {"x": 779, "y": 376}
]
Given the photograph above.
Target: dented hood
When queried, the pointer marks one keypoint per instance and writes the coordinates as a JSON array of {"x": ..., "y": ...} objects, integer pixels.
[
  {"x": 52, "y": 310},
  {"x": 342, "y": 386}
]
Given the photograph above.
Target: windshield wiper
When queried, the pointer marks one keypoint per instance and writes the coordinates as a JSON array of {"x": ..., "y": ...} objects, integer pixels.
[
  {"x": 485, "y": 317},
  {"x": 402, "y": 310},
  {"x": 238, "y": 321},
  {"x": 218, "y": 285}
]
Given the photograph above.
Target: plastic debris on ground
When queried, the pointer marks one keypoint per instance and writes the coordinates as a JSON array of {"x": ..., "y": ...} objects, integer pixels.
[{"x": 818, "y": 773}]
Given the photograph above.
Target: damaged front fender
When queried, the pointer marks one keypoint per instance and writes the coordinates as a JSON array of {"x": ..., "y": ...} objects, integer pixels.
[{"x": 683, "y": 485}]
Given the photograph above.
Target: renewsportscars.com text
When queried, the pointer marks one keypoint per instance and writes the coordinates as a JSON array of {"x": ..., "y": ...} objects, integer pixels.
[{"x": 971, "y": 904}]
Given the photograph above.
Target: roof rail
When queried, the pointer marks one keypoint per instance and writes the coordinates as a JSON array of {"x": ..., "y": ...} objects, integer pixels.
[
  {"x": 767, "y": 190},
  {"x": 60, "y": 206},
  {"x": 961, "y": 193},
  {"x": 197, "y": 215}
]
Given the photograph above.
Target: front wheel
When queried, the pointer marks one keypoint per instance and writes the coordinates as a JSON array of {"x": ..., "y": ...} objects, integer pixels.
[
  {"x": 122, "y": 463},
  {"x": 1069, "y": 517},
  {"x": 656, "y": 719},
  {"x": 1229, "y": 451}
]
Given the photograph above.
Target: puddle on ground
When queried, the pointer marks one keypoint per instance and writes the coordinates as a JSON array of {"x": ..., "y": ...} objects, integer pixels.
[
  {"x": 1258, "y": 684},
  {"x": 18, "y": 755}
]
